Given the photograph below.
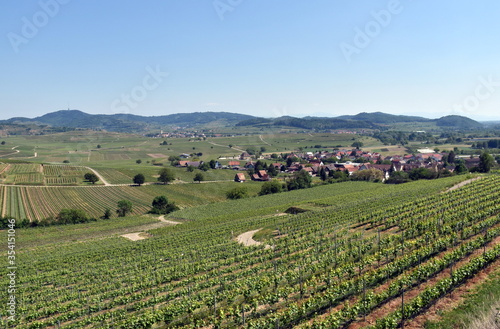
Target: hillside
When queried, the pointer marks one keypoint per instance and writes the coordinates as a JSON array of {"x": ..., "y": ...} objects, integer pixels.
[
  {"x": 130, "y": 122},
  {"x": 457, "y": 121},
  {"x": 137, "y": 123},
  {"x": 383, "y": 118}
]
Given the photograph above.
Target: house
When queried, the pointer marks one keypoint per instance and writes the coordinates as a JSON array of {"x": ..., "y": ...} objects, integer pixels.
[
  {"x": 234, "y": 164},
  {"x": 261, "y": 176},
  {"x": 250, "y": 165},
  {"x": 183, "y": 164},
  {"x": 309, "y": 170},
  {"x": 184, "y": 156},
  {"x": 245, "y": 156},
  {"x": 195, "y": 164},
  {"x": 240, "y": 177}
]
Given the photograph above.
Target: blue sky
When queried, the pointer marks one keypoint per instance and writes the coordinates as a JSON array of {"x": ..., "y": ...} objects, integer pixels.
[{"x": 265, "y": 58}]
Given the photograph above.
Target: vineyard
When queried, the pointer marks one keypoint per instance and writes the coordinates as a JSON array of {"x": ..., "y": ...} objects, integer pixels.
[
  {"x": 44, "y": 202},
  {"x": 36, "y": 174},
  {"x": 344, "y": 264}
]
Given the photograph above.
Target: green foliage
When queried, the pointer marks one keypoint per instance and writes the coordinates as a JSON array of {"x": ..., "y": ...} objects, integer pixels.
[
  {"x": 238, "y": 192},
  {"x": 139, "y": 179},
  {"x": 486, "y": 162},
  {"x": 371, "y": 175},
  {"x": 107, "y": 214},
  {"x": 198, "y": 177},
  {"x": 204, "y": 166},
  {"x": 139, "y": 161},
  {"x": 357, "y": 144},
  {"x": 72, "y": 216},
  {"x": 301, "y": 180},
  {"x": 166, "y": 175},
  {"x": 91, "y": 177},
  {"x": 398, "y": 177},
  {"x": 123, "y": 208},
  {"x": 271, "y": 187},
  {"x": 422, "y": 173},
  {"x": 161, "y": 205}
]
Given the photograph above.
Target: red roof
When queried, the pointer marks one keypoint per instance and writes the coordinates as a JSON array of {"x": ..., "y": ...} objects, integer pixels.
[{"x": 234, "y": 163}]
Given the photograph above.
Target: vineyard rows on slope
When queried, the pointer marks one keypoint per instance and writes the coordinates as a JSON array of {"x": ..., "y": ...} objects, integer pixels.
[{"x": 329, "y": 268}]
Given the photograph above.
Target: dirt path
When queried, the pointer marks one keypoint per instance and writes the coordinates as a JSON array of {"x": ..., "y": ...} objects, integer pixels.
[
  {"x": 15, "y": 151},
  {"x": 143, "y": 234},
  {"x": 136, "y": 236},
  {"x": 232, "y": 148},
  {"x": 171, "y": 222},
  {"x": 263, "y": 141},
  {"x": 247, "y": 240},
  {"x": 465, "y": 182},
  {"x": 105, "y": 182}
]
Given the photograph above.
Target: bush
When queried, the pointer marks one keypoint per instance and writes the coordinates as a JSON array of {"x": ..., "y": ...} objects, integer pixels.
[
  {"x": 239, "y": 192},
  {"x": 160, "y": 205},
  {"x": 72, "y": 216},
  {"x": 271, "y": 187}
]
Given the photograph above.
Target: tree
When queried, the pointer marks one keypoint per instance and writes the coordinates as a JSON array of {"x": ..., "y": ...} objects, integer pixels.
[
  {"x": 271, "y": 171},
  {"x": 160, "y": 205},
  {"x": 398, "y": 177},
  {"x": 204, "y": 166},
  {"x": 301, "y": 180},
  {"x": 271, "y": 187},
  {"x": 72, "y": 216},
  {"x": 139, "y": 179},
  {"x": 460, "y": 168},
  {"x": 239, "y": 192},
  {"x": 3, "y": 142},
  {"x": 486, "y": 162},
  {"x": 138, "y": 161},
  {"x": 91, "y": 177},
  {"x": 212, "y": 163},
  {"x": 371, "y": 175},
  {"x": 198, "y": 177},
  {"x": 124, "y": 207},
  {"x": 107, "y": 214},
  {"x": 166, "y": 175},
  {"x": 98, "y": 146},
  {"x": 451, "y": 157},
  {"x": 357, "y": 145},
  {"x": 323, "y": 175}
]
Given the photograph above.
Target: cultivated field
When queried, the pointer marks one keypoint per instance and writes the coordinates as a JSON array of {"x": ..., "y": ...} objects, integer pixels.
[{"x": 340, "y": 264}]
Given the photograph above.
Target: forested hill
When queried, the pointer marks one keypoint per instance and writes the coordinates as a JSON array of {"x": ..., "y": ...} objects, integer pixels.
[{"x": 137, "y": 123}]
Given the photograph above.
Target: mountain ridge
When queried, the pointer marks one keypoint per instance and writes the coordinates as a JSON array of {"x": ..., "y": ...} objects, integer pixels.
[{"x": 132, "y": 122}]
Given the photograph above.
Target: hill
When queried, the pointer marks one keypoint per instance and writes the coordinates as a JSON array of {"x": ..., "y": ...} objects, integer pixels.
[
  {"x": 129, "y": 122},
  {"x": 383, "y": 118},
  {"x": 309, "y": 123},
  {"x": 457, "y": 121},
  {"x": 137, "y": 123}
]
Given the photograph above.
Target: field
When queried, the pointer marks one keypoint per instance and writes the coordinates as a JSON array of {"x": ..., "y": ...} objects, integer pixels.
[
  {"x": 346, "y": 262},
  {"x": 37, "y": 203},
  {"x": 348, "y": 259}
]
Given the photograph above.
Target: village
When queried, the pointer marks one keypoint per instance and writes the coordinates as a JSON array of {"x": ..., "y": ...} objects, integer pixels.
[{"x": 325, "y": 163}]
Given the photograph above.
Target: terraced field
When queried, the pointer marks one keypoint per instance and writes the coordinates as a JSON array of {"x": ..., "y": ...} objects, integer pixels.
[{"x": 343, "y": 264}]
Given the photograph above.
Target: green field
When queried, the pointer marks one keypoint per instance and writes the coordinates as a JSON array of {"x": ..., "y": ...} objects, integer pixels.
[
  {"x": 349, "y": 252},
  {"x": 321, "y": 271}
]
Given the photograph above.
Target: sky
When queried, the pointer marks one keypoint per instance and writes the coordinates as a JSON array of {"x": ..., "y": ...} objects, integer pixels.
[{"x": 263, "y": 58}]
